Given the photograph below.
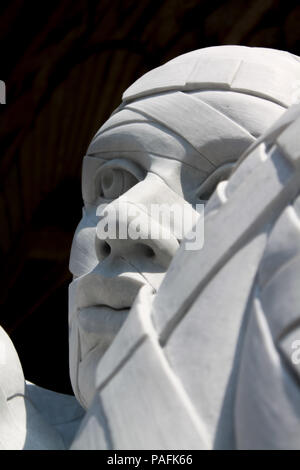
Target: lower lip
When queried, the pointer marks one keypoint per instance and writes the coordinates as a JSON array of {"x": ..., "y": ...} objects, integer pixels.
[
  {"x": 101, "y": 320},
  {"x": 98, "y": 326}
]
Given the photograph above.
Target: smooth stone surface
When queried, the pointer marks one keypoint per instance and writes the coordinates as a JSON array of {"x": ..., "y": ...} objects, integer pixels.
[
  {"x": 204, "y": 349},
  {"x": 267, "y": 414}
]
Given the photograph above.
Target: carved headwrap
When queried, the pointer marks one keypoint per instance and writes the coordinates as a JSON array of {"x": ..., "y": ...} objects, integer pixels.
[{"x": 218, "y": 99}]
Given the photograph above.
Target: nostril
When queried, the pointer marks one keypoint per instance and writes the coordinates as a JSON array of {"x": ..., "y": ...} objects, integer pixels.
[
  {"x": 103, "y": 249},
  {"x": 106, "y": 249},
  {"x": 144, "y": 250},
  {"x": 149, "y": 252}
]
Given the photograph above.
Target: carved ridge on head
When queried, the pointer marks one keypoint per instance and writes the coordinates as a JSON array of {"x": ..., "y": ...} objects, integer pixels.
[
  {"x": 267, "y": 73},
  {"x": 218, "y": 99}
]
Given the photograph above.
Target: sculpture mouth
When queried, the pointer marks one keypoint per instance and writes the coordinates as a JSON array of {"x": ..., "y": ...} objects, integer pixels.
[
  {"x": 98, "y": 307},
  {"x": 98, "y": 326},
  {"x": 101, "y": 290},
  {"x": 101, "y": 319}
]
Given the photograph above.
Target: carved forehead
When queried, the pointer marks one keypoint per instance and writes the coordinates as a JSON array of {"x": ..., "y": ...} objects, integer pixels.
[
  {"x": 204, "y": 129},
  {"x": 124, "y": 134}
]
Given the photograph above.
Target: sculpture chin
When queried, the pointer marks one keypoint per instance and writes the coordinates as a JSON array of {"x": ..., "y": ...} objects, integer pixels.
[{"x": 96, "y": 328}]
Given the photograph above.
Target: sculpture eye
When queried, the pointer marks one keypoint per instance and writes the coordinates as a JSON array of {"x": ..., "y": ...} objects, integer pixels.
[{"x": 115, "y": 181}]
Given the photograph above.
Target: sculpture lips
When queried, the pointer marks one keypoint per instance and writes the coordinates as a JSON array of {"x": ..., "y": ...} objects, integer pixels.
[
  {"x": 99, "y": 303},
  {"x": 98, "y": 289},
  {"x": 98, "y": 326},
  {"x": 101, "y": 319}
]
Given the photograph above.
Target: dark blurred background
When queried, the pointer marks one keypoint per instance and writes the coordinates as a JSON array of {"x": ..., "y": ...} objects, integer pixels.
[{"x": 66, "y": 64}]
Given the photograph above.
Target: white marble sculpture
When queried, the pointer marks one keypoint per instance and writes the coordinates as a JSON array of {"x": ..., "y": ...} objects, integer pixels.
[
  {"x": 174, "y": 370},
  {"x": 213, "y": 360}
]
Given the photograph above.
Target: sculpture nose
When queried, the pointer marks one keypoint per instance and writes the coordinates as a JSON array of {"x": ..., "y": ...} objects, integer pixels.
[{"x": 127, "y": 230}]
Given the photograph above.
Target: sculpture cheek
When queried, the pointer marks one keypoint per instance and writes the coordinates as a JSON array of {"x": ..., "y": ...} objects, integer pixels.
[{"x": 83, "y": 256}]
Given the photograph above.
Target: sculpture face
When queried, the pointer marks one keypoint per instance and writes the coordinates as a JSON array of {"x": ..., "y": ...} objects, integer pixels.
[
  {"x": 178, "y": 132},
  {"x": 123, "y": 162}
]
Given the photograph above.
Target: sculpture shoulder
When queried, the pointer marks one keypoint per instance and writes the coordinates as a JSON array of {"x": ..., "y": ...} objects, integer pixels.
[
  {"x": 61, "y": 412},
  {"x": 12, "y": 389}
]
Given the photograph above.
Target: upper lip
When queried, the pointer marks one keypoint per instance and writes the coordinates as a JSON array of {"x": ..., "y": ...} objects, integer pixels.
[{"x": 116, "y": 287}]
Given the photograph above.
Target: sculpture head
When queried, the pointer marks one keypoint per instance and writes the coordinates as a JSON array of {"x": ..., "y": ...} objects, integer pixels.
[{"x": 178, "y": 132}]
